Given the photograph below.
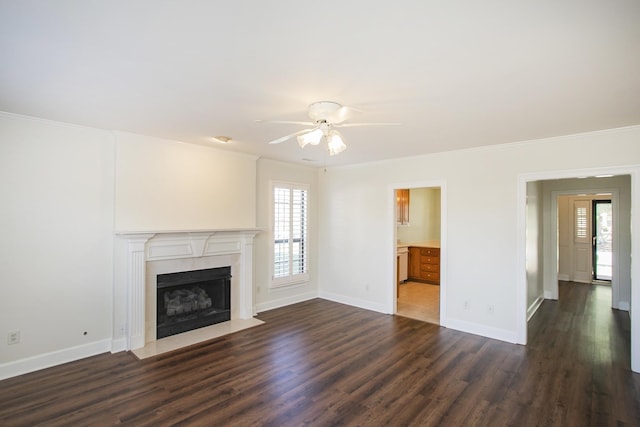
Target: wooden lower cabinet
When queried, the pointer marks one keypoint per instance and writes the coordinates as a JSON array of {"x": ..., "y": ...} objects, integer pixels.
[
  {"x": 424, "y": 264},
  {"x": 414, "y": 263}
]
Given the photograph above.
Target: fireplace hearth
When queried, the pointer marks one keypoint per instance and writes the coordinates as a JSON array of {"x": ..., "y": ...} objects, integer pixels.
[{"x": 192, "y": 299}]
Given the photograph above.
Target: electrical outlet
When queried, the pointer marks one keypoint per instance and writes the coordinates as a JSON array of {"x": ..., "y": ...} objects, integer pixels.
[
  {"x": 13, "y": 337},
  {"x": 491, "y": 309},
  {"x": 466, "y": 305}
]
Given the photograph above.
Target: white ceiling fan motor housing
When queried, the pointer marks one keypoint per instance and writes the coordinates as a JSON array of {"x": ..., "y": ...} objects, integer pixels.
[{"x": 323, "y": 110}]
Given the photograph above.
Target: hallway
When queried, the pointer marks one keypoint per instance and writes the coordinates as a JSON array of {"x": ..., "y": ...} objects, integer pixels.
[{"x": 582, "y": 347}]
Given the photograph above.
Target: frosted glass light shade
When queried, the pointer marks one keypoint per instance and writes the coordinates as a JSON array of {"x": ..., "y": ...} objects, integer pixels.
[
  {"x": 335, "y": 143},
  {"x": 312, "y": 138}
]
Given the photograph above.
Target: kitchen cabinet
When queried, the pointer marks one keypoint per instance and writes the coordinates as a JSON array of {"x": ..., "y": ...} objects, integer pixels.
[
  {"x": 403, "y": 261},
  {"x": 414, "y": 263},
  {"x": 424, "y": 264},
  {"x": 402, "y": 206}
]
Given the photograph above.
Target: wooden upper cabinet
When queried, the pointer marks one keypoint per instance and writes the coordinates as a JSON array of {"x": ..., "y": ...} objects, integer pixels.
[{"x": 402, "y": 206}]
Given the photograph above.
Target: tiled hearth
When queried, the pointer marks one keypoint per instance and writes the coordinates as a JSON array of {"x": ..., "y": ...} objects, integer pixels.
[{"x": 140, "y": 257}]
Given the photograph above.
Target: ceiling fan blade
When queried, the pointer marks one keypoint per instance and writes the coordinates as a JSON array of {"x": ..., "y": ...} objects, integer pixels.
[
  {"x": 348, "y": 125},
  {"x": 285, "y": 122},
  {"x": 291, "y": 135}
]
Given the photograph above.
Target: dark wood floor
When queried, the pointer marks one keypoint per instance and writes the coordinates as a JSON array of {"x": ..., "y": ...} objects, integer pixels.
[{"x": 322, "y": 363}]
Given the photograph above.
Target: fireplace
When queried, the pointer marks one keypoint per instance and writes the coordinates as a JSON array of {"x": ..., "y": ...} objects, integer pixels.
[
  {"x": 142, "y": 256},
  {"x": 190, "y": 300}
]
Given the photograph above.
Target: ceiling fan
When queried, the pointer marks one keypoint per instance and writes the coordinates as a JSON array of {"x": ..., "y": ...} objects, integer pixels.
[{"x": 325, "y": 116}]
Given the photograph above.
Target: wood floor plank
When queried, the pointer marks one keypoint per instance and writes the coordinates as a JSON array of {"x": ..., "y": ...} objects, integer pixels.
[{"x": 321, "y": 363}]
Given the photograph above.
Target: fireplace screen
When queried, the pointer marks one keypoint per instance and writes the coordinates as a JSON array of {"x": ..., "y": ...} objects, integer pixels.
[{"x": 192, "y": 299}]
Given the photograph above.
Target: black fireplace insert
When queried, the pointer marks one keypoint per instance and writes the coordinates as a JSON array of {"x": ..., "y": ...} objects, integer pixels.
[{"x": 194, "y": 299}]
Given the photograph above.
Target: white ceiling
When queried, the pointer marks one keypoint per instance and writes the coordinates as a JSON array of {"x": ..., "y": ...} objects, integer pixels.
[{"x": 457, "y": 74}]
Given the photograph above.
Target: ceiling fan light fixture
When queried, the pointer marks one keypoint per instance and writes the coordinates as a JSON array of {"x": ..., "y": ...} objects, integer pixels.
[
  {"x": 312, "y": 138},
  {"x": 335, "y": 143},
  {"x": 325, "y": 116}
]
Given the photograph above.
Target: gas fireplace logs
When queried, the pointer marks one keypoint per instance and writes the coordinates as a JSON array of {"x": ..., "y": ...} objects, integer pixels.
[{"x": 182, "y": 301}]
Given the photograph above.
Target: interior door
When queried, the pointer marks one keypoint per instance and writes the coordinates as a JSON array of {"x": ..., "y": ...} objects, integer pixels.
[{"x": 582, "y": 241}]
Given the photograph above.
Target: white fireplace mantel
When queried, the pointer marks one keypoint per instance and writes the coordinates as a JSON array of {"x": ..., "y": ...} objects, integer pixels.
[{"x": 133, "y": 250}]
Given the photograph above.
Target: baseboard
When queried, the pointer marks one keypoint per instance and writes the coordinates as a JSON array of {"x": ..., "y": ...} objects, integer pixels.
[
  {"x": 624, "y": 306},
  {"x": 564, "y": 277},
  {"x": 548, "y": 295},
  {"x": 356, "y": 302},
  {"x": 282, "y": 302},
  {"x": 482, "y": 330},
  {"x": 118, "y": 345},
  {"x": 534, "y": 307},
  {"x": 47, "y": 360}
]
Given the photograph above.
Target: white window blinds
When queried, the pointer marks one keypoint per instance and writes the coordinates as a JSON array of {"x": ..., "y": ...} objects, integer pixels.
[
  {"x": 581, "y": 221},
  {"x": 290, "y": 220}
]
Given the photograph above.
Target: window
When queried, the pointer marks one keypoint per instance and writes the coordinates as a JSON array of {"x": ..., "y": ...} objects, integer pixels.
[
  {"x": 290, "y": 248},
  {"x": 581, "y": 225}
]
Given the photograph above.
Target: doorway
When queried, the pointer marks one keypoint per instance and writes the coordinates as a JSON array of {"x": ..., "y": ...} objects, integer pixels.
[
  {"x": 601, "y": 240},
  {"x": 585, "y": 238},
  {"x": 620, "y": 183},
  {"x": 418, "y": 244}
]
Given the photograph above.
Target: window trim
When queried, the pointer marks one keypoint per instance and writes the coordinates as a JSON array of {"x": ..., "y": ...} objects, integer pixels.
[{"x": 291, "y": 279}]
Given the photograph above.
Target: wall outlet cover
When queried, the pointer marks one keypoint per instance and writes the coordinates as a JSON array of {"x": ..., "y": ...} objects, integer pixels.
[{"x": 13, "y": 337}]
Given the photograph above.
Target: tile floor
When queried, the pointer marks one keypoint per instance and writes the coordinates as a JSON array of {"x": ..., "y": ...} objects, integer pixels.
[{"x": 419, "y": 301}]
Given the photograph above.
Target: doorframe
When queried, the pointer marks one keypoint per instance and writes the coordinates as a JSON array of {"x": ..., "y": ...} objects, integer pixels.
[
  {"x": 521, "y": 279},
  {"x": 392, "y": 296}
]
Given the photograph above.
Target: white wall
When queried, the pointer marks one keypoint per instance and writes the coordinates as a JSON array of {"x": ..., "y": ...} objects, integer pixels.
[
  {"x": 564, "y": 228},
  {"x": 424, "y": 216},
  {"x": 534, "y": 249},
  {"x": 356, "y": 211},
  {"x": 268, "y": 171},
  {"x": 56, "y": 221},
  {"x": 170, "y": 185}
]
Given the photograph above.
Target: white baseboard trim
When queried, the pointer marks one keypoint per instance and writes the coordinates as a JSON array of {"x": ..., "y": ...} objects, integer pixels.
[
  {"x": 118, "y": 345},
  {"x": 534, "y": 307},
  {"x": 548, "y": 295},
  {"x": 282, "y": 302},
  {"x": 47, "y": 360},
  {"x": 483, "y": 330},
  {"x": 564, "y": 277},
  {"x": 624, "y": 306},
  {"x": 356, "y": 302}
]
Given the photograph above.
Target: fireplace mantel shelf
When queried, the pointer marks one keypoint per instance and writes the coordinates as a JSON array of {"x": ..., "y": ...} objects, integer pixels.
[{"x": 194, "y": 231}]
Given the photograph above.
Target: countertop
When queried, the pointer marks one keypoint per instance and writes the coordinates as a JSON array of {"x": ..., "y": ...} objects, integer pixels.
[{"x": 423, "y": 244}]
